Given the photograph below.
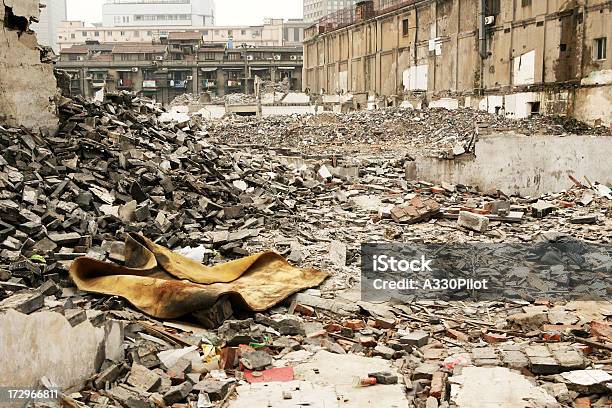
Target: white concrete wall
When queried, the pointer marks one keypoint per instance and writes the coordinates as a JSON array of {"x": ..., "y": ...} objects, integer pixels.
[
  {"x": 525, "y": 165},
  {"x": 594, "y": 105},
  {"x": 267, "y": 111}
]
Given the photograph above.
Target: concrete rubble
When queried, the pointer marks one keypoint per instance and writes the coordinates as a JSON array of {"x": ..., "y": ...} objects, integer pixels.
[
  {"x": 311, "y": 188},
  {"x": 115, "y": 168}
]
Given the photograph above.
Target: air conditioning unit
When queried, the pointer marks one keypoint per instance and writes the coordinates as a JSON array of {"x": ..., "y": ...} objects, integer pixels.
[
  {"x": 159, "y": 58},
  {"x": 277, "y": 58},
  {"x": 250, "y": 58},
  {"x": 135, "y": 69},
  {"x": 489, "y": 20},
  {"x": 294, "y": 58},
  {"x": 189, "y": 78}
]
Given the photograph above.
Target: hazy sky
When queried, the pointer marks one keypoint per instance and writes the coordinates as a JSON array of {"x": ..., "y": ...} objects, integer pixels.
[{"x": 229, "y": 12}]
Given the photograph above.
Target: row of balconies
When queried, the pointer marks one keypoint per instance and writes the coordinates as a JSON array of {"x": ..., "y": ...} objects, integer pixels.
[{"x": 176, "y": 84}]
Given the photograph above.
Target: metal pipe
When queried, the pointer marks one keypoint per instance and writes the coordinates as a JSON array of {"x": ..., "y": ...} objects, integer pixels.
[{"x": 482, "y": 38}]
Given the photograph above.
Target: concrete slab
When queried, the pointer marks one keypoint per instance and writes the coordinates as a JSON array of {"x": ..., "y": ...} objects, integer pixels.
[
  {"x": 497, "y": 387},
  {"x": 212, "y": 111},
  {"x": 303, "y": 393},
  {"x": 524, "y": 165},
  {"x": 340, "y": 370},
  {"x": 50, "y": 347},
  {"x": 275, "y": 110},
  {"x": 296, "y": 98}
]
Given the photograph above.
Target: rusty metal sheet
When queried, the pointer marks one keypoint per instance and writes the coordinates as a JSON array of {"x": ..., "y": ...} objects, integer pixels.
[{"x": 166, "y": 285}]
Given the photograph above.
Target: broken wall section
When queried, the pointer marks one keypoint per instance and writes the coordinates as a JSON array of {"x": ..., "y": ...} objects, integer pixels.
[{"x": 28, "y": 88}]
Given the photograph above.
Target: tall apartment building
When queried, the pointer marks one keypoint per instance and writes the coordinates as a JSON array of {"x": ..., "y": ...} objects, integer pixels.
[
  {"x": 50, "y": 19},
  {"x": 138, "y": 13},
  {"x": 316, "y": 9},
  {"x": 274, "y": 32}
]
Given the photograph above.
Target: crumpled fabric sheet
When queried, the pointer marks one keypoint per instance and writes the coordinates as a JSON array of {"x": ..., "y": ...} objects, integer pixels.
[{"x": 166, "y": 285}]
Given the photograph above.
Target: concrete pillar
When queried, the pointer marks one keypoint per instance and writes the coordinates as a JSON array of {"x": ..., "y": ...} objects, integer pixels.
[
  {"x": 138, "y": 77},
  {"x": 220, "y": 82},
  {"x": 197, "y": 84}
]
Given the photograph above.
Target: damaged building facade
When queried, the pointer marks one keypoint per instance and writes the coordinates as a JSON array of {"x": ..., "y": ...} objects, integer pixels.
[
  {"x": 184, "y": 64},
  {"x": 516, "y": 58},
  {"x": 28, "y": 88}
]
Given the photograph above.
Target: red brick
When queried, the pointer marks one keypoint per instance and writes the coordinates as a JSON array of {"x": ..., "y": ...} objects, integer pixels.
[
  {"x": 304, "y": 310},
  {"x": 494, "y": 337},
  {"x": 333, "y": 328},
  {"x": 383, "y": 323},
  {"x": 367, "y": 341},
  {"x": 438, "y": 384},
  {"x": 584, "y": 349},
  {"x": 551, "y": 336},
  {"x": 355, "y": 324},
  {"x": 456, "y": 334},
  {"x": 601, "y": 329}
]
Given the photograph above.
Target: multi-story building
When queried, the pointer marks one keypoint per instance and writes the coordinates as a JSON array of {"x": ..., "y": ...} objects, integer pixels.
[
  {"x": 183, "y": 64},
  {"x": 317, "y": 9},
  {"x": 274, "y": 32},
  {"x": 51, "y": 16},
  {"x": 517, "y": 57},
  {"x": 161, "y": 13}
]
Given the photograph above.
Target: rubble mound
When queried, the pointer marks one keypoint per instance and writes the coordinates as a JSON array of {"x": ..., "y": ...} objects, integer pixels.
[
  {"x": 114, "y": 168},
  {"x": 435, "y": 128}
]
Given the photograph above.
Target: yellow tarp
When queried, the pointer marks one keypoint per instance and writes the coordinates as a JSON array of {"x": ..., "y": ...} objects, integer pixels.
[{"x": 166, "y": 285}]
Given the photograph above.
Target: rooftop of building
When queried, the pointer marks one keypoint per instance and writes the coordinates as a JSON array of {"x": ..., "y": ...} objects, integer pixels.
[{"x": 185, "y": 35}]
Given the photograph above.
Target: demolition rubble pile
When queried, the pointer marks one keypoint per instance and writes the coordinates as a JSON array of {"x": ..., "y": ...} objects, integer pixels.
[
  {"x": 438, "y": 130},
  {"x": 275, "y": 87},
  {"x": 115, "y": 169}
]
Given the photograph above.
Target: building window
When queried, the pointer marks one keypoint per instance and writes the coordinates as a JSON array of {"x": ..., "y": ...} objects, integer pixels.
[
  {"x": 405, "y": 27},
  {"x": 123, "y": 33},
  {"x": 243, "y": 32},
  {"x": 96, "y": 33},
  {"x": 492, "y": 7},
  {"x": 230, "y": 33},
  {"x": 109, "y": 33},
  {"x": 136, "y": 33},
  {"x": 562, "y": 47},
  {"x": 525, "y": 3},
  {"x": 84, "y": 33},
  {"x": 72, "y": 36},
  {"x": 205, "y": 32},
  {"x": 599, "y": 48}
]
